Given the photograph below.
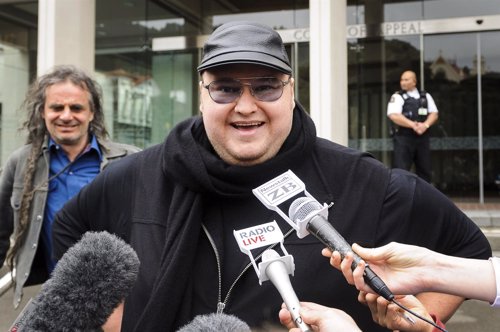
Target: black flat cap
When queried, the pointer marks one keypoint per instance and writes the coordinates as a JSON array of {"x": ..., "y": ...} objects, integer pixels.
[{"x": 245, "y": 42}]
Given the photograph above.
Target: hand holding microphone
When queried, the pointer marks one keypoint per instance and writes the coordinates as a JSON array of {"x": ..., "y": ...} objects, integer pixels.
[
  {"x": 272, "y": 267},
  {"x": 276, "y": 271},
  {"x": 322, "y": 318},
  {"x": 308, "y": 216},
  {"x": 307, "y": 208}
]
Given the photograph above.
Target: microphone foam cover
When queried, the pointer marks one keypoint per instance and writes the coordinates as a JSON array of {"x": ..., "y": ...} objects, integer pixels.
[
  {"x": 87, "y": 284},
  {"x": 302, "y": 207},
  {"x": 215, "y": 323}
]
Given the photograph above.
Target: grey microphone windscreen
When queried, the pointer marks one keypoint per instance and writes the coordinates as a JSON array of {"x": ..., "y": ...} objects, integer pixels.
[
  {"x": 88, "y": 283},
  {"x": 215, "y": 323},
  {"x": 301, "y": 207}
]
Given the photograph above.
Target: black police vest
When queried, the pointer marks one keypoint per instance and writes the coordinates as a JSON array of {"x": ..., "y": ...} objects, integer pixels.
[{"x": 411, "y": 106}]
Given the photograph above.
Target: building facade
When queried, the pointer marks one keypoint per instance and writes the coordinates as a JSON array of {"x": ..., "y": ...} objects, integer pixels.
[{"x": 347, "y": 57}]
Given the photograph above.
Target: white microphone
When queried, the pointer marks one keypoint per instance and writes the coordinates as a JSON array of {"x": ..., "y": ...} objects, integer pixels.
[
  {"x": 276, "y": 271},
  {"x": 307, "y": 210},
  {"x": 308, "y": 216}
]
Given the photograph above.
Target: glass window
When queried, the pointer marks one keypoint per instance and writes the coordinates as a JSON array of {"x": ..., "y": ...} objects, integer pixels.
[
  {"x": 451, "y": 79},
  {"x": 146, "y": 93},
  {"x": 490, "y": 83},
  {"x": 376, "y": 12},
  {"x": 459, "y": 8},
  {"x": 279, "y": 14},
  {"x": 451, "y": 76},
  {"x": 18, "y": 46},
  {"x": 374, "y": 68},
  {"x": 128, "y": 70},
  {"x": 301, "y": 65},
  {"x": 403, "y": 11},
  {"x": 355, "y": 12},
  {"x": 363, "y": 11}
]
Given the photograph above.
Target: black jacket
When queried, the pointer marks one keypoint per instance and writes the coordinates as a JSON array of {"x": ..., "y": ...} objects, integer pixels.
[{"x": 373, "y": 205}]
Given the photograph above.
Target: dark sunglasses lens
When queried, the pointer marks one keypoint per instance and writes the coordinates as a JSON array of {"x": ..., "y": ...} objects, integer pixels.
[
  {"x": 267, "y": 89},
  {"x": 225, "y": 91}
]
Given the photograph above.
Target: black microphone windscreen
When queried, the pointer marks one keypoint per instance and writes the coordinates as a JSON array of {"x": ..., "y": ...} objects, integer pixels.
[
  {"x": 215, "y": 323},
  {"x": 88, "y": 283}
]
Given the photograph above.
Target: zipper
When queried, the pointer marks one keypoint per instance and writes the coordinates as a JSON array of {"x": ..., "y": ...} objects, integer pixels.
[{"x": 221, "y": 305}]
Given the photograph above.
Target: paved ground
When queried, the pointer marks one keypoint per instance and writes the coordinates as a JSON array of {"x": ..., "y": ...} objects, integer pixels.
[
  {"x": 7, "y": 313},
  {"x": 475, "y": 316}
]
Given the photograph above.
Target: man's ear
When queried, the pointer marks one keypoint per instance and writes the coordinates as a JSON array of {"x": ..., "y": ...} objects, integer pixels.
[
  {"x": 292, "y": 86},
  {"x": 200, "y": 88}
]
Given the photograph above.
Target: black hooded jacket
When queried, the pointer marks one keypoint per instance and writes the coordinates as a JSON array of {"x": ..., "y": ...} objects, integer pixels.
[{"x": 166, "y": 199}]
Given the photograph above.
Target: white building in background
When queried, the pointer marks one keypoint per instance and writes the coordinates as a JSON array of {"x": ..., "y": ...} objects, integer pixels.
[{"x": 345, "y": 89}]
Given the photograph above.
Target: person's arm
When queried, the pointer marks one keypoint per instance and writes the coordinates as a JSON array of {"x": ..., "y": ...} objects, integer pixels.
[
  {"x": 391, "y": 316},
  {"x": 402, "y": 121},
  {"x": 408, "y": 269},
  {"x": 70, "y": 223},
  {"x": 422, "y": 127},
  {"x": 96, "y": 208},
  {"x": 431, "y": 119},
  {"x": 443, "y": 306},
  {"x": 394, "y": 112},
  {"x": 417, "y": 213}
]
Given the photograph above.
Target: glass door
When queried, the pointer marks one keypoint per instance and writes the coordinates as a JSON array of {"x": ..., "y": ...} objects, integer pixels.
[
  {"x": 490, "y": 101},
  {"x": 298, "y": 54},
  {"x": 462, "y": 73},
  {"x": 176, "y": 97},
  {"x": 375, "y": 65}
]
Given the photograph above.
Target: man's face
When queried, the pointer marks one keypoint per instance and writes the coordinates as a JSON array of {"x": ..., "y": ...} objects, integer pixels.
[
  {"x": 408, "y": 81},
  {"x": 246, "y": 131},
  {"x": 67, "y": 114}
]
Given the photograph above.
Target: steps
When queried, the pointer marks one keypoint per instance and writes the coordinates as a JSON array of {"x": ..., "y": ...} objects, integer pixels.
[{"x": 489, "y": 222}]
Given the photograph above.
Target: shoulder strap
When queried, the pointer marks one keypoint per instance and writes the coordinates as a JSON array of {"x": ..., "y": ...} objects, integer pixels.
[
  {"x": 403, "y": 94},
  {"x": 423, "y": 98}
]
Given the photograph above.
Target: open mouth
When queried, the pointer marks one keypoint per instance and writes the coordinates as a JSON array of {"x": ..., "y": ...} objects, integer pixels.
[
  {"x": 247, "y": 125},
  {"x": 66, "y": 126}
]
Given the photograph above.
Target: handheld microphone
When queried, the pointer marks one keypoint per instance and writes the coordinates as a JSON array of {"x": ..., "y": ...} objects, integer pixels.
[
  {"x": 307, "y": 208},
  {"x": 276, "y": 271},
  {"x": 92, "y": 278},
  {"x": 215, "y": 322}
]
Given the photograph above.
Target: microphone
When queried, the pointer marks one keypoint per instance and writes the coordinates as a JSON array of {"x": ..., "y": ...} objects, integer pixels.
[
  {"x": 215, "y": 322},
  {"x": 90, "y": 280},
  {"x": 307, "y": 208},
  {"x": 276, "y": 271}
]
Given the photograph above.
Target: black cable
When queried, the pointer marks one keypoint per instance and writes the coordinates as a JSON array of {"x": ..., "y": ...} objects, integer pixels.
[
  {"x": 418, "y": 316},
  {"x": 65, "y": 168}
]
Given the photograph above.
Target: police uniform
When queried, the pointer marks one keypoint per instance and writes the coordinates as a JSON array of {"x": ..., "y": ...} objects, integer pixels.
[{"x": 410, "y": 147}]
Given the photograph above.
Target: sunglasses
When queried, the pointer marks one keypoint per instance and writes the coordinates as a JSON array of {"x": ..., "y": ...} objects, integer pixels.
[{"x": 226, "y": 91}]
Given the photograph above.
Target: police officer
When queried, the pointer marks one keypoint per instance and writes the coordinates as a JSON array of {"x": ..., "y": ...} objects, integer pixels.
[{"x": 412, "y": 112}]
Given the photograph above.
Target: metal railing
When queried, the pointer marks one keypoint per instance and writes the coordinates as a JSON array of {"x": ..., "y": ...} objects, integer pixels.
[{"x": 5, "y": 283}]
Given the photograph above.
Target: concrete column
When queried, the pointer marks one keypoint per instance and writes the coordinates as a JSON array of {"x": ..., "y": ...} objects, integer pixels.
[
  {"x": 328, "y": 69},
  {"x": 66, "y": 34}
]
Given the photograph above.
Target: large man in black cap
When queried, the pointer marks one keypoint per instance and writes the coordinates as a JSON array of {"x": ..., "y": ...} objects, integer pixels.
[{"x": 178, "y": 203}]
